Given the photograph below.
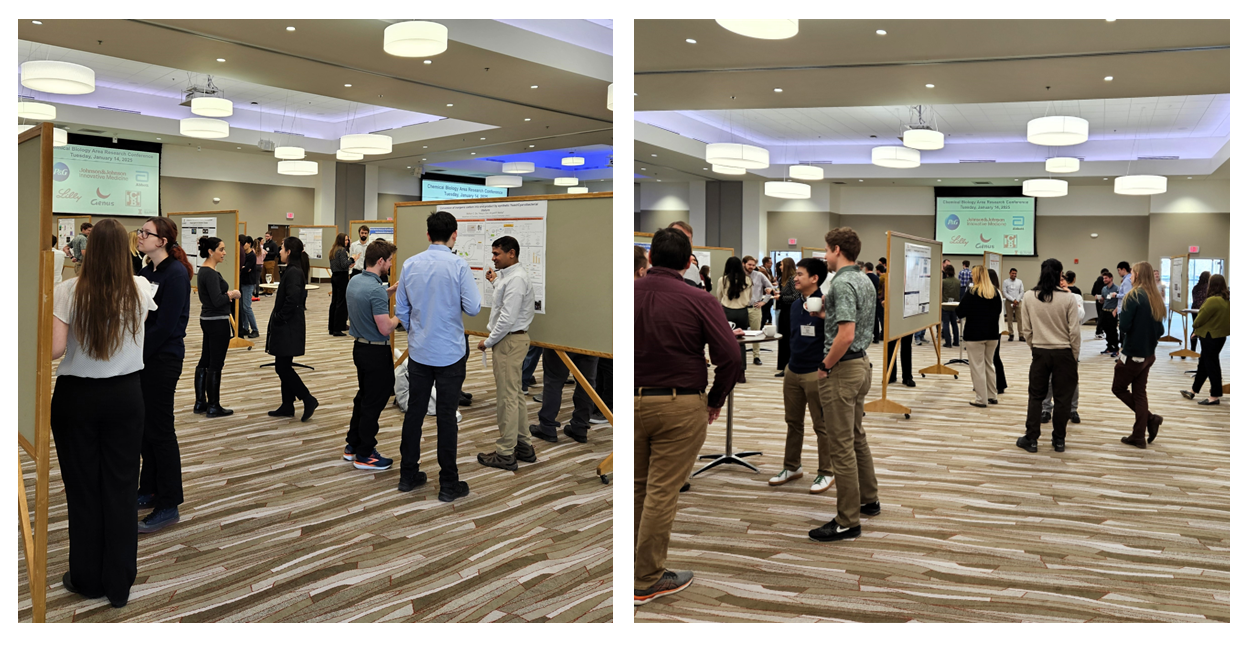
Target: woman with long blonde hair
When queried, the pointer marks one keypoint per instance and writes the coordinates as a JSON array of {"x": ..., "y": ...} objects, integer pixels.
[
  {"x": 1140, "y": 326},
  {"x": 136, "y": 256},
  {"x": 981, "y": 307}
]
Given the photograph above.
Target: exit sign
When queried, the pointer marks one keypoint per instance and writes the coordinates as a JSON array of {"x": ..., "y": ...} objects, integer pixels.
[
  {"x": 1193, "y": 249},
  {"x": 793, "y": 241}
]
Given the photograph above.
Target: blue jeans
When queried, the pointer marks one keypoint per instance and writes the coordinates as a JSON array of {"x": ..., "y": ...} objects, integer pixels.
[
  {"x": 949, "y": 326},
  {"x": 247, "y": 320},
  {"x": 530, "y": 365}
]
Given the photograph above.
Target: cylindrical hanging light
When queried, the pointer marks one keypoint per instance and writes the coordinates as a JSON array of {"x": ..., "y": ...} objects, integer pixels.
[
  {"x": 572, "y": 161},
  {"x": 578, "y": 189},
  {"x": 1045, "y": 188},
  {"x": 365, "y": 144},
  {"x": 787, "y": 190},
  {"x": 288, "y": 153},
  {"x": 1058, "y": 131},
  {"x": 297, "y": 167},
  {"x": 610, "y": 96},
  {"x": 727, "y": 170},
  {"x": 1062, "y": 165},
  {"x": 56, "y": 77},
  {"x": 737, "y": 155},
  {"x": 923, "y": 140},
  {"x": 348, "y": 157},
  {"x": 504, "y": 180},
  {"x": 766, "y": 29},
  {"x": 212, "y": 107},
  {"x": 415, "y": 38},
  {"x": 60, "y": 137},
  {"x": 895, "y": 157},
  {"x": 204, "y": 128},
  {"x": 804, "y": 172},
  {"x": 35, "y": 111},
  {"x": 1140, "y": 184},
  {"x": 518, "y": 167},
  {"x": 565, "y": 181},
  {"x": 21, "y": 128}
]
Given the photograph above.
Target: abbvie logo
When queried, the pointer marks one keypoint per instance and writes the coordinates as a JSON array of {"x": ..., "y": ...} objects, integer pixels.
[
  {"x": 951, "y": 222},
  {"x": 60, "y": 172}
]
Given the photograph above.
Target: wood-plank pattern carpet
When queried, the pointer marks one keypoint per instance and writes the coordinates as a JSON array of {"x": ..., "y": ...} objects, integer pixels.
[
  {"x": 277, "y": 527},
  {"x": 973, "y": 528}
]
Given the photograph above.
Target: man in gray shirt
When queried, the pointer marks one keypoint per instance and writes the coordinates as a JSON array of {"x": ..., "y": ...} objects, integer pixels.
[
  {"x": 511, "y": 312},
  {"x": 79, "y": 244},
  {"x": 760, "y": 286},
  {"x": 368, "y": 306},
  {"x": 1110, "y": 308}
]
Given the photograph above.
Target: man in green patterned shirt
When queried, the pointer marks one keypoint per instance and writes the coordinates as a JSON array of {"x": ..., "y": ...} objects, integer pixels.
[{"x": 845, "y": 377}]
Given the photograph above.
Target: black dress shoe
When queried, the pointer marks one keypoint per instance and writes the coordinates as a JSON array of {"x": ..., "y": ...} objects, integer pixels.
[
  {"x": 758, "y": 362},
  {"x": 337, "y": 333},
  {"x": 686, "y": 487},
  {"x": 978, "y": 405},
  {"x": 1045, "y": 417},
  {"x": 1024, "y": 443},
  {"x": 1152, "y": 426},
  {"x": 538, "y": 432},
  {"x": 780, "y": 374},
  {"x": 910, "y": 383},
  {"x": 415, "y": 482},
  {"x": 1127, "y": 440},
  {"x": 1060, "y": 446},
  {"x": 465, "y": 402},
  {"x": 579, "y": 436},
  {"x": 870, "y": 509},
  {"x": 284, "y": 411},
  {"x": 1075, "y": 418},
  {"x": 450, "y": 493},
  {"x": 310, "y": 405},
  {"x": 992, "y": 401}
]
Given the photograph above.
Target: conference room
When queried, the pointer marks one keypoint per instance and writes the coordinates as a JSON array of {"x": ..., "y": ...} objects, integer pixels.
[
  {"x": 891, "y": 147},
  {"x": 302, "y": 149}
]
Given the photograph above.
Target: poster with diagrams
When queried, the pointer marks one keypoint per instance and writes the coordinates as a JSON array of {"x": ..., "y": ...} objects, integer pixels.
[
  {"x": 916, "y": 284},
  {"x": 312, "y": 241},
  {"x": 64, "y": 231},
  {"x": 482, "y": 224},
  {"x": 192, "y": 230}
]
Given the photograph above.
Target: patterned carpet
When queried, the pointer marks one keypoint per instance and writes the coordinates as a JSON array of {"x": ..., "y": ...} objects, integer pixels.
[
  {"x": 973, "y": 528},
  {"x": 277, "y": 527}
]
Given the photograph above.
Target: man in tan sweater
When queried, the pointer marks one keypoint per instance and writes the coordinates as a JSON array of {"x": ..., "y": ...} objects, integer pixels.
[{"x": 1049, "y": 320}]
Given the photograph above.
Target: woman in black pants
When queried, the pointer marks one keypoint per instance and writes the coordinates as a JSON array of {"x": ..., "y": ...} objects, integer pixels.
[
  {"x": 997, "y": 352},
  {"x": 340, "y": 263},
  {"x": 285, "y": 339},
  {"x": 97, "y": 412},
  {"x": 734, "y": 295},
  {"x": 160, "y": 481},
  {"x": 785, "y": 279},
  {"x": 214, "y": 320}
]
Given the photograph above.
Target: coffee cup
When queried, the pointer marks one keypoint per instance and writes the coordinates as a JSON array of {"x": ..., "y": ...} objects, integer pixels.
[
  {"x": 732, "y": 326},
  {"x": 815, "y": 304},
  {"x": 769, "y": 331}
]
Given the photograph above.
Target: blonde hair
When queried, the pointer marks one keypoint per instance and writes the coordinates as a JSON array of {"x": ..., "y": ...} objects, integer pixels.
[
  {"x": 981, "y": 284},
  {"x": 134, "y": 243},
  {"x": 1143, "y": 279}
]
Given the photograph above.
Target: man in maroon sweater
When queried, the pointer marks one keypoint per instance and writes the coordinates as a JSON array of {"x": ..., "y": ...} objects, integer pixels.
[{"x": 672, "y": 323}]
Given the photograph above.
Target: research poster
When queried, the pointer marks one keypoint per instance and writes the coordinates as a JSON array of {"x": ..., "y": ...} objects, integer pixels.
[
  {"x": 312, "y": 241},
  {"x": 972, "y": 226},
  {"x": 64, "y": 231},
  {"x": 917, "y": 284},
  {"x": 995, "y": 264},
  {"x": 192, "y": 230},
  {"x": 105, "y": 181},
  {"x": 383, "y": 233},
  {"x": 1178, "y": 289},
  {"x": 481, "y": 224}
]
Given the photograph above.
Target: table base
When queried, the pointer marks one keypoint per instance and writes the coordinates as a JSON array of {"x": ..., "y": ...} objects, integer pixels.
[{"x": 726, "y": 459}]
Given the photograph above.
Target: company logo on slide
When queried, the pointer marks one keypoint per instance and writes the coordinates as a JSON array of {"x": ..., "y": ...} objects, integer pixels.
[
  {"x": 951, "y": 222},
  {"x": 60, "y": 172},
  {"x": 101, "y": 195},
  {"x": 985, "y": 240},
  {"x": 1010, "y": 241},
  {"x": 1017, "y": 221},
  {"x": 140, "y": 176}
]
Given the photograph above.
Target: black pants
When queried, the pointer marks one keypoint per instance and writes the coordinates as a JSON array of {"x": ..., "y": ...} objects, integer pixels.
[
  {"x": 878, "y": 327},
  {"x": 375, "y": 374},
  {"x": 603, "y": 382},
  {"x": 782, "y": 326},
  {"x": 292, "y": 387},
  {"x": 949, "y": 326},
  {"x": 1110, "y": 326},
  {"x": 765, "y": 315},
  {"x": 904, "y": 359},
  {"x": 421, "y": 380},
  {"x": 216, "y": 343},
  {"x": 1059, "y": 365},
  {"x": 1208, "y": 366},
  {"x": 997, "y": 366},
  {"x": 161, "y": 474},
  {"x": 98, "y": 427},
  {"x": 554, "y": 373},
  {"x": 740, "y": 317},
  {"x": 1192, "y": 326},
  {"x": 338, "y": 302}
]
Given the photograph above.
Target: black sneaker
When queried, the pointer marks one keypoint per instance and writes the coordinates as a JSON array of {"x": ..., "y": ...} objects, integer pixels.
[
  {"x": 909, "y": 383},
  {"x": 1045, "y": 417},
  {"x": 1024, "y": 443},
  {"x": 670, "y": 582},
  {"x": 1075, "y": 418},
  {"x": 465, "y": 402},
  {"x": 1060, "y": 446},
  {"x": 406, "y": 485},
  {"x": 374, "y": 461},
  {"x": 870, "y": 509},
  {"x": 597, "y": 418},
  {"x": 579, "y": 436},
  {"x": 145, "y": 501},
  {"x": 538, "y": 432},
  {"x": 158, "y": 519},
  {"x": 493, "y": 459},
  {"x": 833, "y": 531},
  {"x": 449, "y": 493},
  {"x": 525, "y": 453}
]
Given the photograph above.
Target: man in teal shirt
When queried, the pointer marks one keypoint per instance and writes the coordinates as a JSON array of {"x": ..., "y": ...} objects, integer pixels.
[{"x": 845, "y": 377}]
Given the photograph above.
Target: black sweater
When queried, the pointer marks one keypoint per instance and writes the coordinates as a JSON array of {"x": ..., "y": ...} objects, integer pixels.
[
  {"x": 164, "y": 330},
  {"x": 982, "y": 316},
  {"x": 214, "y": 301},
  {"x": 247, "y": 271}
]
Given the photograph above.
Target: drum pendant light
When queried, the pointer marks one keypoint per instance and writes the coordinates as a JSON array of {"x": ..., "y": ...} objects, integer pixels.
[
  {"x": 804, "y": 172},
  {"x": 572, "y": 161},
  {"x": 578, "y": 189},
  {"x": 765, "y": 29},
  {"x": 204, "y": 128},
  {"x": 1045, "y": 188},
  {"x": 742, "y": 156},
  {"x": 297, "y": 167},
  {"x": 727, "y": 170},
  {"x": 348, "y": 157},
  {"x": 55, "y": 77},
  {"x": 35, "y": 111},
  {"x": 504, "y": 180},
  {"x": 365, "y": 144},
  {"x": 1140, "y": 184},
  {"x": 415, "y": 38},
  {"x": 1058, "y": 131},
  {"x": 288, "y": 153},
  {"x": 565, "y": 181},
  {"x": 610, "y": 95},
  {"x": 895, "y": 157},
  {"x": 21, "y": 128},
  {"x": 212, "y": 107},
  {"x": 787, "y": 190},
  {"x": 60, "y": 137},
  {"x": 1062, "y": 165},
  {"x": 518, "y": 167},
  {"x": 923, "y": 140}
]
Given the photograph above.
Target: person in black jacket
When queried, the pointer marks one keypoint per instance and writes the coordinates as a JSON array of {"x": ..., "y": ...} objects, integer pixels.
[
  {"x": 1140, "y": 320},
  {"x": 285, "y": 338},
  {"x": 340, "y": 263},
  {"x": 248, "y": 275},
  {"x": 214, "y": 320},
  {"x": 160, "y": 480},
  {"x": 981, "y": 308},
  {"x": 997, "y": 352}
]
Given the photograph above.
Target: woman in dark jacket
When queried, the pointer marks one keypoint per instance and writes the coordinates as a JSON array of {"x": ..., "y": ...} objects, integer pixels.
[
  {"x": 785, "y": 278},
  {"x": 285, "y": 337},
  {"x": 340, "y": 263},
  {"x": 981, "y": 306},
  {"x": 1212, "y": 326},
  {"x": 248, "y": 272},
  {"x": 215, "y": 296},
  {"x": 997, "y": 352},
  {"x": 1140, "y": 326},
  {"x": 1199, "y": 299}
]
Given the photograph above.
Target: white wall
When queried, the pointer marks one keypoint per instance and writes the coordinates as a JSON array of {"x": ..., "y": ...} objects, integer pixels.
[
  {"x": 398, "y": 181},
  {"x": 542, "y": 188},
  {"x": 698, "y": 211},
  {"x": 323, "y": 205},
  {"x": 665, "y": 196},
  {"x": 1194, "y": 196},
  {"x": 1094, "y": 201},
  {"x": 754, "y": 220},
  {"x": 886, "y": 201},
  {"x": 185, "y": 161},
  {"x": 370, "y": 190}
]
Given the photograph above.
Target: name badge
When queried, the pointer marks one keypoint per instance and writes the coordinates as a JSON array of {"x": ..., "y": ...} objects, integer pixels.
[{"x": 808, "y": 331}]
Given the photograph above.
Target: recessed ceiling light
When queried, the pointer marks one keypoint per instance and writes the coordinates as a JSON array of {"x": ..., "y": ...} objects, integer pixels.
[
  {"x": 533, "y": 87},
  {"x": 526, "y": 118},
  {"x": 409, "y": 167},
  {"x": 881, "y": 32},
  {"x": 938, "y": 180},
  {"x": 1111, "y": 19},
  {"x": 290, "y": 29},
  {"x": 1103, "y": 179},
  {"x": 422, "y": 159},
  {"x": 777, "y": 90},
  {"x": 346, "y": 85},
  {"x": 929, "y": 85},
  {"x": 239, "y": 147},
  {"x": 659, "y": 180},
  {"x": 531, "y": 146},
  {"x": 221, "y": 60},
  {"x": 37, "y": 22},
  {"x": 1109, "y": 78},
  {"x": 1190, "y": 177},
  {"x": 450, "y": 104},
  {"x": 429, "y": 62},
  {"x": 472, "y": 153},
  {"x": 643, "y": 168},
  {"x": 691, "y": 41},
  {"x": 860, "y": 180},
  {"x": 483, "y": 139},
  {"x": 654, "y": 155},
  {"x": 704, "y": 168}
]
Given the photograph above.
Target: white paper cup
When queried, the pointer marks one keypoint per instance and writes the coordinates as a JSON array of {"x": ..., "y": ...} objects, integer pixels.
[
  {"x": 769, "y": 331},
  {"x": 815, "y": 304}
]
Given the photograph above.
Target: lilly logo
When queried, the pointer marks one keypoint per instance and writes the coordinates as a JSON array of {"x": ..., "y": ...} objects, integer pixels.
[
  {"x": 101, "y": 195},
  {"x": 985, "y": 240},
  {"x": 951, "y": 222},
  {"x": 60, "y": 172}
]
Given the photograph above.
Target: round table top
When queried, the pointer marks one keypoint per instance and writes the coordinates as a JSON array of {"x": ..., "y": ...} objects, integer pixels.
[
  {"x": 758, "y": 339},
  {"x": 274, "y": 286}
]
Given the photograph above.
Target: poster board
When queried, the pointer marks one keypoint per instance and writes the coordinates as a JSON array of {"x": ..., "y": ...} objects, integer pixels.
[
  {"x": 221, "y": 224},
  {"x": 1177, "y": 287},
  {"x": 993, "y": 261},
  {"x": 318, "y": 239},
  {"x": 578, "y": 293},
  {"x": 377, "y": 229},
  {"x": 813, "y": 252},
  {"x": 713, "y": 257},
  {"x": 897, "y": 322},
  {"x": 242, "y": 228}
]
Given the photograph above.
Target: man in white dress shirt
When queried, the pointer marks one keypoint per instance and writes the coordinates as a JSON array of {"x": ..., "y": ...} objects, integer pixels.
[
  {"x": 357, "y": 250},
  {"x": 1012, "y": 289},
  {"x": 511, "y": 312},
  {"x": 760, "y": 286}
]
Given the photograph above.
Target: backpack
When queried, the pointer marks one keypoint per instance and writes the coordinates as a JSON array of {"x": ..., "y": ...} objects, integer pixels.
[{"x": 401, "y": 393}]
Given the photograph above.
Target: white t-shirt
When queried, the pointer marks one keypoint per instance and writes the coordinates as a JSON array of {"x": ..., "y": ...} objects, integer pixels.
[
  {"x": 58, "y": 265},
  {"x": 129, "y": 356}
]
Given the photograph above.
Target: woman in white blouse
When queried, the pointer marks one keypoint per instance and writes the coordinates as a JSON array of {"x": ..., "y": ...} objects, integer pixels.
[{"x": 97, "y": 412}]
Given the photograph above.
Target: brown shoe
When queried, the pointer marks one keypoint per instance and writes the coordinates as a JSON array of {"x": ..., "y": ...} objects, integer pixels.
[
  {"x": 1155, "y": 421},
  {"x": 1138, "y": 443},
  {"x": 525, "y": 453},
  {"x": 501, "y": 462}
]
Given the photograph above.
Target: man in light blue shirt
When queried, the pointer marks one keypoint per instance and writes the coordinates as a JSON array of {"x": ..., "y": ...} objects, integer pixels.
[
  {"x": 435, "y": 287},
  {"x": 1125, "y": 273}
]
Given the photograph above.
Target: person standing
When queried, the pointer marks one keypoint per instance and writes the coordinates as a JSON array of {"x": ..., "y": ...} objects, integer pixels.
[
  {"x": 368, "y": 302},
  {"x": 845, "y": 378},
  {"x": 801, "y": 389},
  {"x": 1212, "y": 326},
  {"x": 136, "y": 257},
  {"x": 1067, "y": 284},
  {"x": 692, "y": 275},
  {"x": 1050, "y": 323},
  {"x": 998, "y": 369},
  {"x": 1126, "y": 281},
  {"x": 1012, "y": 292},
  {"x": 734, "y": 296},
  {"x": 358, "y": 248},
  {"x": 554, "y": 375},
  {"x": 287, "y": 331},
  {"x": 964, "y": 279},
  {"x": 79, "y": 244},
  {"x": 981, "y": 306},
  {"x": 1096, "y": 292},
  {"x": 97, "y": 413},
  {"x": 766, "y": 269},
  {"x": 704, "y": 274},
  {"x": 1141, "y": 312},
  {"x": 272, "y": 256},
  {"x": 760, "y": 286},
  {"x": 58, "y": 262},
  {"x": 247, "y": 285},
  {"x": 878, "y": 325},
  {"x": 1110, "y": 306},
  {"x": 160, "y": 480},
  {"x": 672, "y": 324},
  {"x": 340, "y": 263},
  {"x": 950, "y": 292},
  {"x": 436, "y": 287},
  {"x": 789, "y": 295},
  {"x": 1199, "y": 298},
  {"x": 511, "y": 314},
  {"x": 214, "y": 321}
]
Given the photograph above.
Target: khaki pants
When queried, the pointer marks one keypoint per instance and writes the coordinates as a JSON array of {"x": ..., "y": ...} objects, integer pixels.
[
  {"x": 510, "y": 410},
  {"x": 802, "y": 393},
  {"x": 1012, "y": 315},
  {"x": 842, "y": 394},
  {"x": 756, "y": 323},
  {"x": 983, "y": 372},
  {"x": 667, "y": 434}
]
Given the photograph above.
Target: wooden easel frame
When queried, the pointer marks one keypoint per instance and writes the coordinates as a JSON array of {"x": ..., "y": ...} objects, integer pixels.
[{"x": 1171, "y": 312}]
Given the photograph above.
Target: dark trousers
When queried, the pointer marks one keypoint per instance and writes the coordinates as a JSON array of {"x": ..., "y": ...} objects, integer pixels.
[
  {"x": 782, "y": 327},
  {"x": 354, "y": 272},
  {"x": 904, "y": 358},
  {"x": 1129, "y": 386},
  {"x": 603, "y": 382},
  {"x": 292, "y": 387},
  {"x": 1193, "y": 327},
  {"x": 949, "y": 326},
  {"x": 766, "y": 313},
  {"x": 375, "y": 375},
  {"x": 554, "y": 372},
  {"x": 216, "y": 343},
  {"x": 530, "y": 365},
  {"x": 338, "y": 302},
  {"x": 421, "y": 381},
  {"x": 740, "y": 317},
  {"x": 98, "y": 427},
  {"x": 878, "y": 327},
  {"x": 1100, "y": 330},
  {"x": 161, "y": 474},
  {"x": 1208, "y": 366},
  {"x": 1110, "y": 326},
  {"x": 997, "y": 366},
  {"x": 1058, "y": 365}
]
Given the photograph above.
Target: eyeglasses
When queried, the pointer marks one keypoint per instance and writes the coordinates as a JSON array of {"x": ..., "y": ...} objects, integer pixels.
[{"x": 143, "y": 233}]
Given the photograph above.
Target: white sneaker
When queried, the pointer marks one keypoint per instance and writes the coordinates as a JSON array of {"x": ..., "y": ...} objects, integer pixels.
[
  {"x": 821, "y": 484},
  {"x": 785, "y": 476}
]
